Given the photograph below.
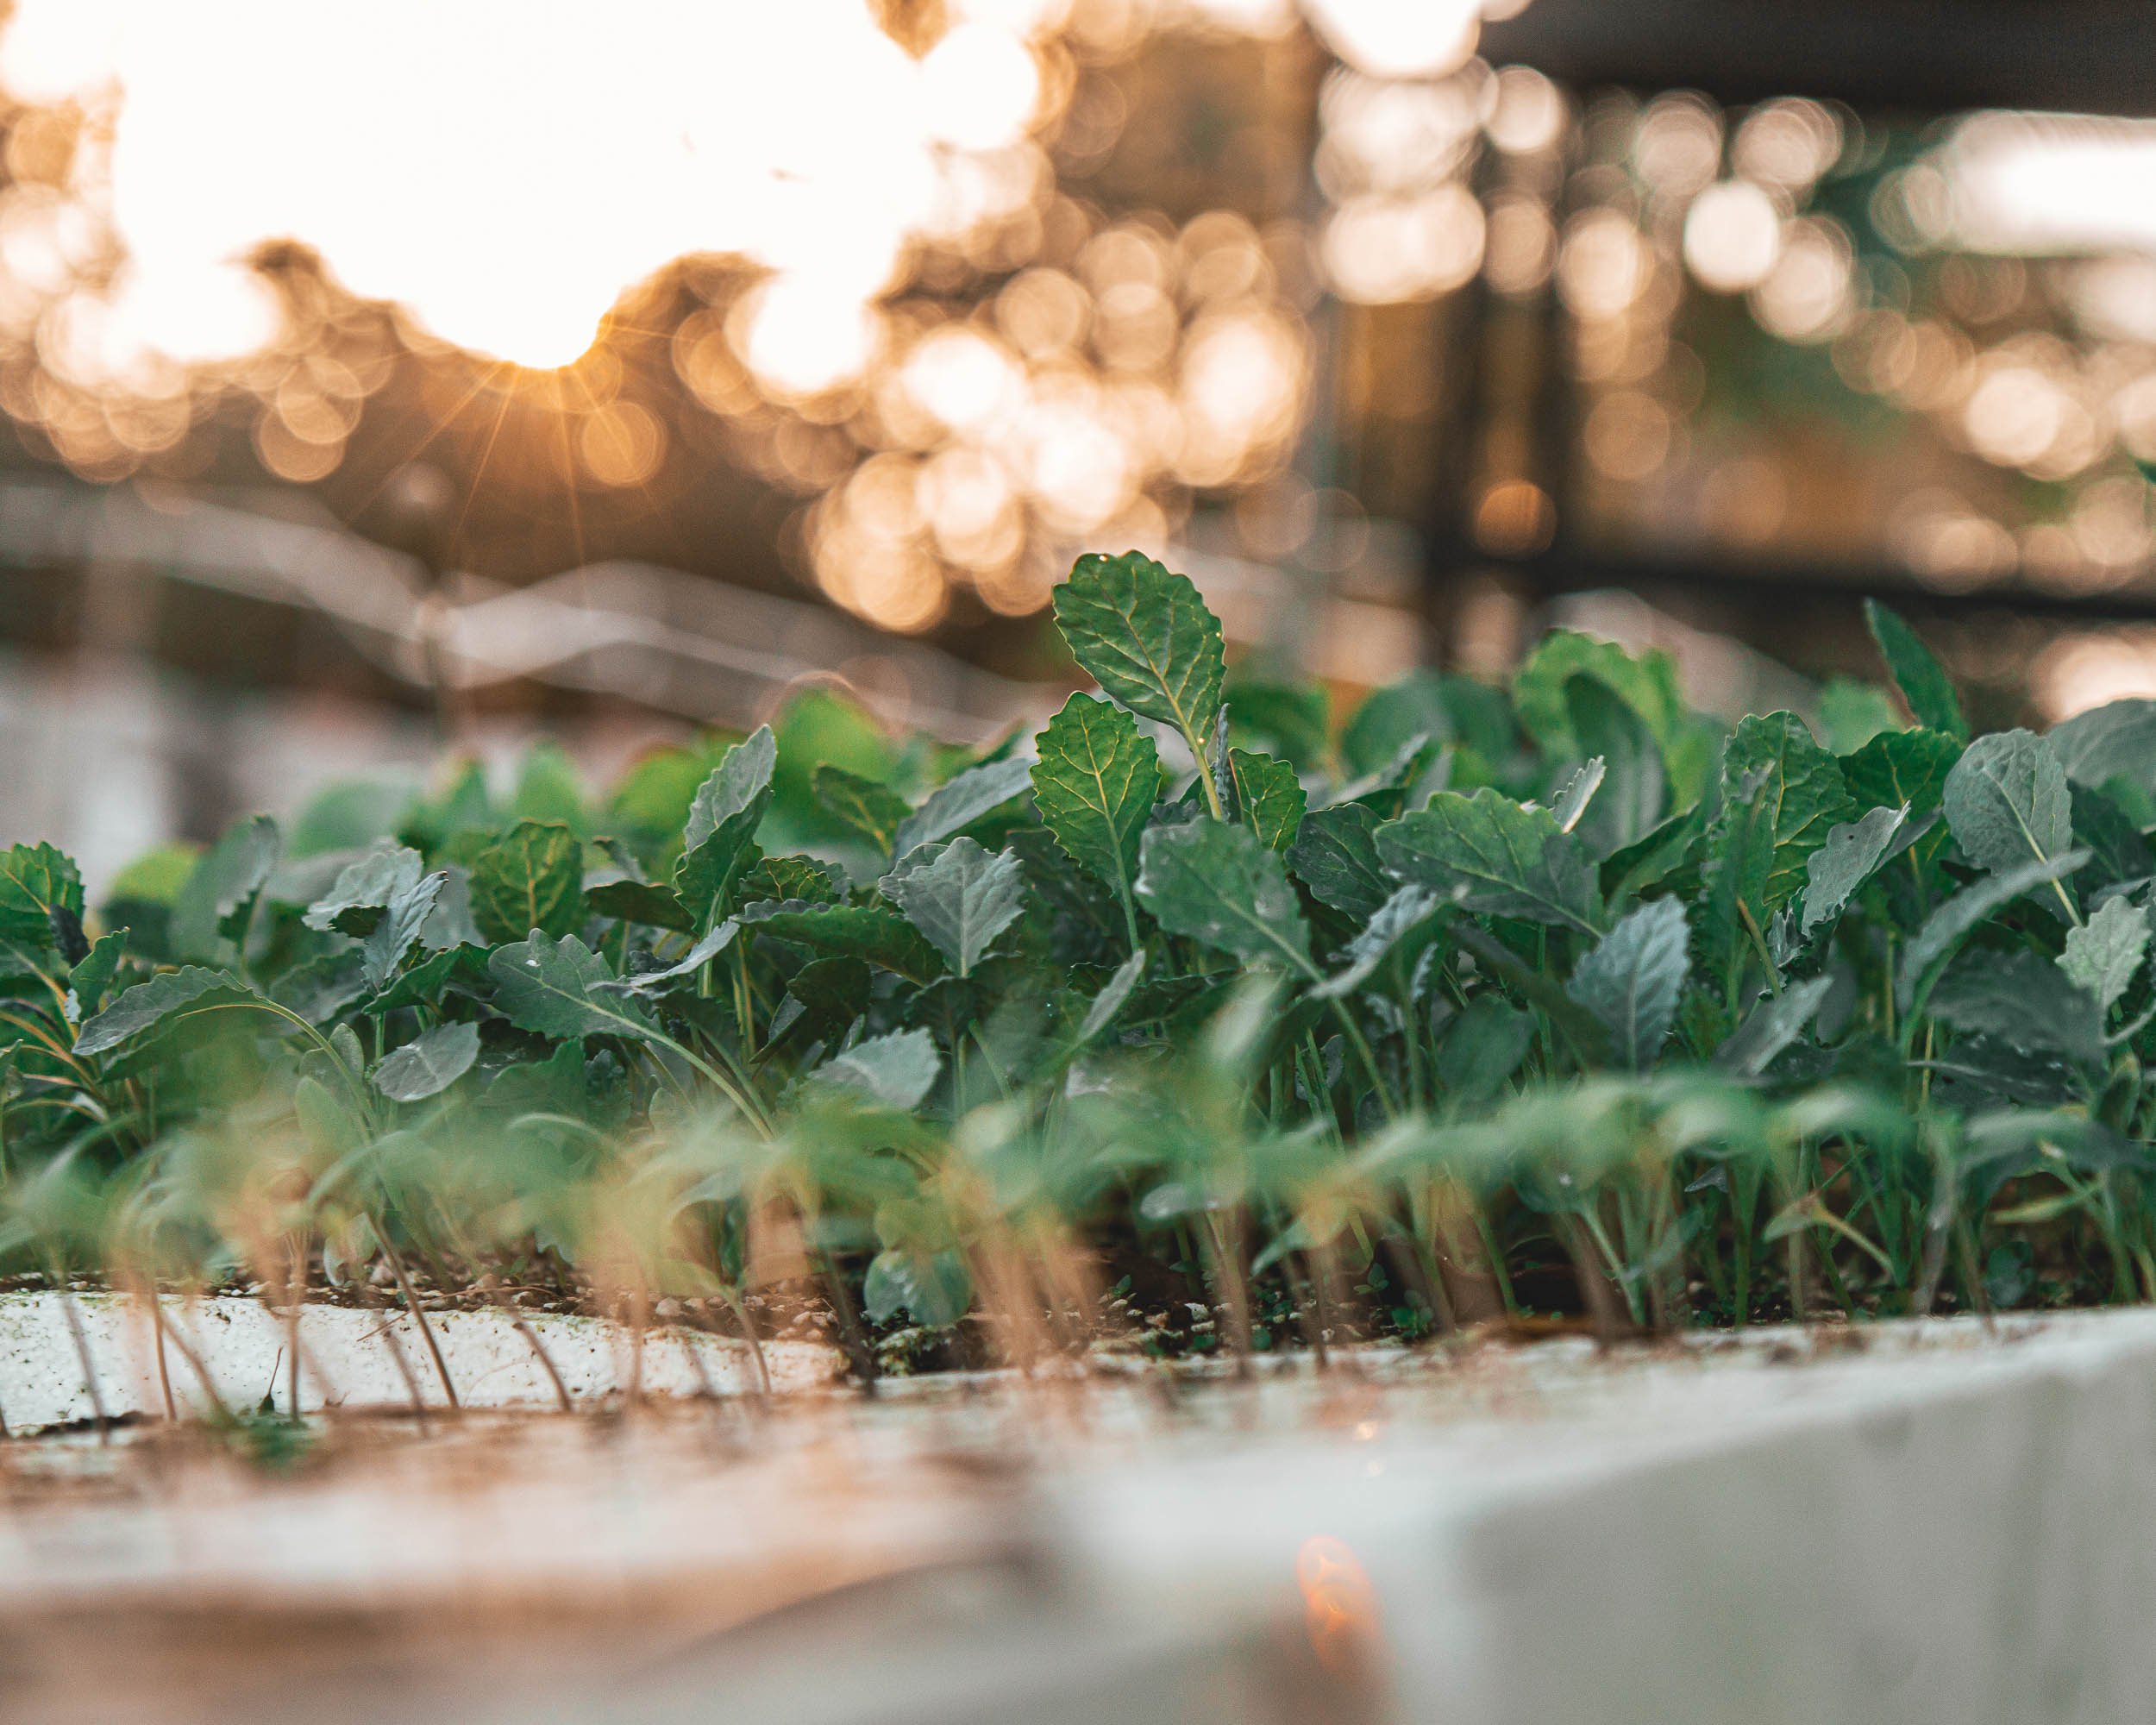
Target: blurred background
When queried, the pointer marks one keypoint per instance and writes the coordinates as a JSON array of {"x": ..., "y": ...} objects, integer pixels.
[{"x": 375, "y": 376}]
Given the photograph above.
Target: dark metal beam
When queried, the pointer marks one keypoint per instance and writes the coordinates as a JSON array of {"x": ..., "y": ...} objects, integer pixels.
[{"x": 1926, "y": 56}]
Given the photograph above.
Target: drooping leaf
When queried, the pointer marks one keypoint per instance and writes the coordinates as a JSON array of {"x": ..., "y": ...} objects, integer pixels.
[
  {"x": 2115, "y": 740},
  {"x": 552, "y": 986},
  {"x": 1633, "y": 978},
  {"x": 2022, "y": 998},
  {"x": 869, "y": 933},
  {"x": 425, "y": 984},
  {"x": 897, "y": 1070},
  {"x": 863, "y": 806},
  {"x": 157, "y": 1003},
  {"x": 1101, "y": 1011},
  {"x": 92, "y": 974},
  {"x": 428, "y": 1064},
  {"x": 1772, "y": 1027},
  {"x": 531, "y": 877},
  {"x": 682, "y": 969},
  {"x": 1217, "y": 884},
  {"x": 957, "y": 804},
  {"x": 1506, "y": 859},
  {"x": 959, "y": 895},
  {"x": 1094, "y": 784},
  {"x": 2103, "y": 954},
  {"x": 1917, "y": 673},
  {"x": 1269, "y": 797},
  {"x": 833, "y": 991},
  {"x": 355, "y": 900},
  {"x": 1398, "y": 918},
  {"x": 1946, "y": 929},
  {"x": 1897, "y": 767},
  {"x": 621, "y": 889},
  {"x": 719, "y": 843},
  {"x": 1670, "y": 849},
  {"x": 1846, "y": 862},
  {"x": 2007, "y": 803},
  {"x": 397, "y": 932},
  {"x": 1335, "y": 855},
  {"x": 1146, "y": 637},
  {"x": 1572, "y": 799}
]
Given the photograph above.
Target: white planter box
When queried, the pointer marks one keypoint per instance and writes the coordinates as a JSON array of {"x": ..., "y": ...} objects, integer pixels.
[
  {"x": 349, "y": 1359},
  {"x": 1907, "y": 1524}
]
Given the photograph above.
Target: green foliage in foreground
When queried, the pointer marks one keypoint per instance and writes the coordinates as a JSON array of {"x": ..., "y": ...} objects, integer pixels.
[{"x": 1557, "y": 996}]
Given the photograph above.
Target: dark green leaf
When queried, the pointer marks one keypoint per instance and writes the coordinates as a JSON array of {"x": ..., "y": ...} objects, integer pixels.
[
  {"x": 322, "y": 988},
  {"x": 958, "y": 804},
  {"x": 1335, "y": 854},
  {"x": 531, "y": 877},
  {"x": 1437, "y": 705},
  {"x": 683, "y": 970},
  {"x": 424, "y": 984},
  {"x": 1483, "y": 1049},
  {"x": 1635, "y": 791},
  {"x": 1633, "y": 978},
  {"x": 865, "y": 807},
  {"x": 959, "y": 895},
  {"x": 1919, "y": 676},
  {"x": 1942, "y": 934},
  {"x": 428, "y": 1064},
  {"x": 2115, "y": 740},
  {"x": 1846, "y": 862},
  {"x": 355, "y": 901},
  {"x": 93, "y": 973},
  {"x": 159, "y": 1002},
  {"x": 1899, "y": 767},
  {"x": 2022, "y": 998},
  {"x": 1773, "y": 1024},
  {"x": 1397, "y": 918},
  {"x": 898, "y": 1070},
  {"x": 2103, "y": 954},
  {"x": 213, "y": 910},
  {"x": 1094, "y": 785},
  {"x": 2117, "y": 851},
  {"x": 1268, "y": 797},
  {"x": 1146, "y": 637},
  {"x": 718, "y": 843},
  {"x": 553, "y": 987},
  {"x": 1782, "y": 794},
  {"x": 869, "y": 932},
  {"x": 2007, "y": 803},
  {"x": 398, "y": 932},
  {"x": 1294, "y": 721},
  {"x": 1217, "y": 884},
  {"x": 1506, "y": 860},
  {"x": 35, "y": 882}
]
